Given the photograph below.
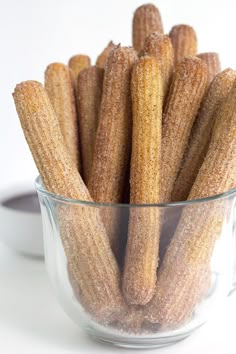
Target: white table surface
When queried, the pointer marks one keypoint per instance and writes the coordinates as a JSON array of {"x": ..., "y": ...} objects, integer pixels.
[{"x": 32, "y": 322}]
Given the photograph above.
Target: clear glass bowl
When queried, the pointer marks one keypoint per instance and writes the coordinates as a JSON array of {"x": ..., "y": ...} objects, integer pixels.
[{"x": 200, "y": 276}]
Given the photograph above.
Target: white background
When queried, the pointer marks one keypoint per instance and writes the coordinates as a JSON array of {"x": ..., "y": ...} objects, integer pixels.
[{"x": 33, "y": 34}]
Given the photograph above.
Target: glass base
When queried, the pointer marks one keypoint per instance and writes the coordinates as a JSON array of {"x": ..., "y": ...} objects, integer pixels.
[
  {"x": 157, "y": 340},
  {"x": 138, "y": 344}
]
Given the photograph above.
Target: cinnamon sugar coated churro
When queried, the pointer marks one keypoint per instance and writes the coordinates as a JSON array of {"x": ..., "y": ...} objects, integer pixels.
[
  {"x": 218, "y": 172},
  {"x": 183, "y": 101},
  {"x": 146, "y": 20},
  {"x": 102, "y": 58},
  {"x": 201, "y": 134},
  {"x": 184, "y": 41},
  {"x": 90, "y": 82},
  {"x": 59, "y": 86},
  {"x": 212, "y": 61},
  {"x": 113, "y": 140},
  {"x": 117, "y": 145},
  {"x": 78, "y": 63},
  {"x": 185, "y": 268},
  {"x": 141, "y": 257},
  {"x": 91, "y": 264},
  {"x": 160, "y": 47}
]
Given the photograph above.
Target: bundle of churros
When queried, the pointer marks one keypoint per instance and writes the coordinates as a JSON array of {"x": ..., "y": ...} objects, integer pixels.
[{"x": 148, "y": 124}]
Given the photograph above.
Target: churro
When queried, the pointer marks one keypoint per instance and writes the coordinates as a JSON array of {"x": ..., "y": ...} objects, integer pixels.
[
  {"x": 132, "y": 321},
  {"x": 89, "y": 95},
  {"x": 160, "y": 47},
  {"x": 76, "y": 64},
  {"x": 185, "y": 268},
  {"x": 217, "y": 173},
  {"x": 146, "y": 20},
  {"x": 59, "y": 86},
  {"x": 141, "y": 258},
  {"x": 113, "y": 140},
  {"x": 201, "y": 134},
  {"x": 93, "y": 269},
  {"x": 184, "y": 41},
  {"x": 102, "y": 58},
  {"x": 146, "y": 126},
  {"x": 212, "y": 61},
  {"x": 183, "y": 101},
  {"x": 169, "y": 220}
]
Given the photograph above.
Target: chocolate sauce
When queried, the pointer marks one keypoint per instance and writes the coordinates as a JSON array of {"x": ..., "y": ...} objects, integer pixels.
[{"x": 26, "y": 202}]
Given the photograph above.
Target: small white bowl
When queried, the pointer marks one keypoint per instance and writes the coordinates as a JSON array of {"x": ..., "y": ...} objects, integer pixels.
[{"x": 20, "y": 220}]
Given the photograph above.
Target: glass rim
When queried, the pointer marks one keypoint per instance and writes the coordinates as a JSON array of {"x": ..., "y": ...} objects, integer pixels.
[{"x": 40, "y": 189}]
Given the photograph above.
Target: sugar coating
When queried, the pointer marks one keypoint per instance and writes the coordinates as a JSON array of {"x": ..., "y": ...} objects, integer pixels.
[
  {"x": 76, "y": 64},
  {"x": 201, "y": 133},
  {"x": 184, "y": 41},
  {"x": 60, "y": 89},
  {"x": 146, "y": 20},
  {"x": 212, "y": 61},
  {"x": 160, "y": 47},
  {"x": 184, "y": 272},
  {"x": 113, "y": 140},
  {"x": 141, "y": 259},
  {"x": 90, "y": 81},
  {"x": 102, "y": 58},
  {"x": 183, "y": 101},
  {"x": 92, "y": 267}
]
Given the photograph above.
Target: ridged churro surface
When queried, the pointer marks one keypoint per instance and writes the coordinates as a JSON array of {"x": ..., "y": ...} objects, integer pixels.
[
  {"x": 185, "y": 268},
  {"x": 218, "y": 172},
  {"x": 113, "y": 140},
  {"x": 89, "y": 95},
  {"x": 201, "y": 133},
  {"x": 146, "y": 20},
  {"x": 160, "y": 47},
  {"x": 183, "y": 101},
  {"x": 212, "y": 61},
  {"x": 59, "y": 86},
  {"x": 91, "y": 264},
  {"x": 102, "y": 58},
  {"x": 184, "y": 41},
  {"x": 141, "y": 256},
  {"x": 76, "y": 64}
]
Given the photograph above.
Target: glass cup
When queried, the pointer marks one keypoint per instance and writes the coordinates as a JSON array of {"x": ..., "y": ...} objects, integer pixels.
[{"x": 197, "y": 262}]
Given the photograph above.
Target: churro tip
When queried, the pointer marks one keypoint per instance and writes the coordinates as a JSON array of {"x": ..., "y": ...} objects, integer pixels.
[
  {"x": 190, "y": 61},
  {"x": 146, "y": 6},
  {"x": 55, "y": 65},
  {"x": 183, "y": 26},
  {"x": 82, "y": 56},
  {"x": 26, "y": 85}
]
